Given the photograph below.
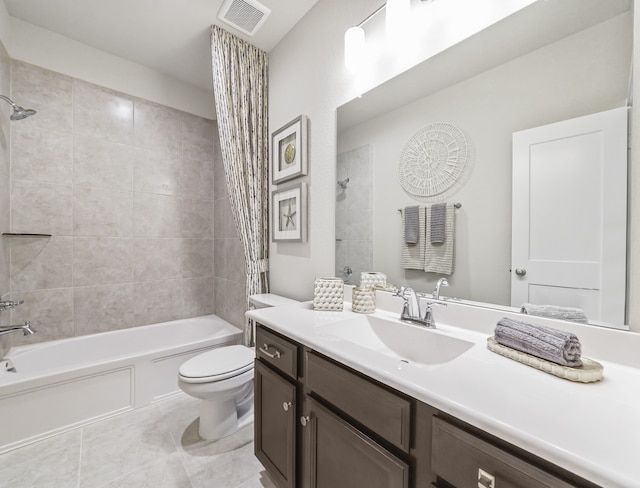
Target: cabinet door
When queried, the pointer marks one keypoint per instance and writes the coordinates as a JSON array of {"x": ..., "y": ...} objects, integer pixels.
[
  {"x": 275, "y": 425},
  {"x": 338, "y": 455}
]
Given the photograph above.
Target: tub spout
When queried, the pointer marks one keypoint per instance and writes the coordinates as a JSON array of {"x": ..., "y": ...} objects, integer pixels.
[{"x": 25, "y": 328}]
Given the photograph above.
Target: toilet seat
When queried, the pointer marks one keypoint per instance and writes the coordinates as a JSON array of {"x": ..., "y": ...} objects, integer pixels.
[{"x": 217, "y": 365}]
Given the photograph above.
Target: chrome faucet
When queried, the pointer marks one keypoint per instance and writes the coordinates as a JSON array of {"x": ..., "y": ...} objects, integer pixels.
[
  {"x": 436, "y": 292},
  {"x": 25, "y": 328},
  {"x": 411, "y": 308}
]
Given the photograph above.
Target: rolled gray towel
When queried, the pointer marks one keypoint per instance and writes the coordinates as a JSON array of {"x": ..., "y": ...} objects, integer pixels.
[
  {"x": 554, "y": 312},
  {"x": 544, "y": 342},
  {"x": 411, "y": 224},
  {"x": 437, "y": 219}
]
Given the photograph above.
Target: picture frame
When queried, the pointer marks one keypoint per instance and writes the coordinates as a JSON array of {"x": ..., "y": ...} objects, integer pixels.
[
  {"x": 289, "y": 151},
  {"x": 289, "y": 214}
]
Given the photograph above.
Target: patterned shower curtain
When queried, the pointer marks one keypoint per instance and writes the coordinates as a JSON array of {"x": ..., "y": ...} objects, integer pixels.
[{"x": 240, "y": 72}]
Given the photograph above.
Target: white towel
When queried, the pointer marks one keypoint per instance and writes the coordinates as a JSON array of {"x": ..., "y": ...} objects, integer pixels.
[
  {"x": 439, "y": 258},
  {"x": 413, "y": 254}
]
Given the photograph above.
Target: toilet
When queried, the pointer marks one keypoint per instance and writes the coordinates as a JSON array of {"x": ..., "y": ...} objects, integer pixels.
[{"x": 223, "y": 380}]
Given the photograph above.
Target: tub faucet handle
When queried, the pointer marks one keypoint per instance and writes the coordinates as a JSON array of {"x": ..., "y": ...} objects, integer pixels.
[{"x": 9, "y": 304}]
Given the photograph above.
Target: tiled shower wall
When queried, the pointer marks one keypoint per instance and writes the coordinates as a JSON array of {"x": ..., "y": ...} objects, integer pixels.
[
  {"x": 354, "y": 213},
  {"x": 4, "y": 191},
  {"x": 126, "y": 188}
]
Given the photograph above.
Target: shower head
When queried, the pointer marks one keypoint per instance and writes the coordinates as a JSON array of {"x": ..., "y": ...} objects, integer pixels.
[
  {"x": 343, "y": 183},
  {"x": 19, "y": 113}
]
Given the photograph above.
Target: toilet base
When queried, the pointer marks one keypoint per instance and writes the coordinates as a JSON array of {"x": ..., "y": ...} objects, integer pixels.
[{"x": 220, "y": 419}]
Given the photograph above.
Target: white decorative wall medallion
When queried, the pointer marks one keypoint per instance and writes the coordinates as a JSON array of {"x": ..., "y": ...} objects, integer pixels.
[{"x": 435, "y": 162}]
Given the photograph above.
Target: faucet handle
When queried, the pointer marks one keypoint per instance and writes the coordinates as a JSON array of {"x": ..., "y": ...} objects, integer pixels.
[{"x": 9, "y": 304}]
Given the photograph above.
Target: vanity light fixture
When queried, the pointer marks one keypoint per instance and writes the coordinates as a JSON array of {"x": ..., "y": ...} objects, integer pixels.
[{"x": 355, "y": 45}]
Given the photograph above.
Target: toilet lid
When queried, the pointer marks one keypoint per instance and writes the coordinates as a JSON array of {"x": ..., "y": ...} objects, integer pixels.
[{"x": 219, "y": 364}]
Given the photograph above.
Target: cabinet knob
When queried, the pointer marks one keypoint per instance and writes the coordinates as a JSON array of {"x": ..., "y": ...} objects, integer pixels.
[
  {"x": 286, "y": 406},
  {"x": 486, "y": 480},
  {"x": 304, "y": 420}
]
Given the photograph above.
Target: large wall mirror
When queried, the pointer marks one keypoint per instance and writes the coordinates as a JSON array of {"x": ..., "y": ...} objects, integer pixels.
[{"x": 552, "y": 61}]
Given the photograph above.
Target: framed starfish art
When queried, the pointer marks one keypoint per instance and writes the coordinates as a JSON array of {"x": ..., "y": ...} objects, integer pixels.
[{"x": 289, "y": 214}]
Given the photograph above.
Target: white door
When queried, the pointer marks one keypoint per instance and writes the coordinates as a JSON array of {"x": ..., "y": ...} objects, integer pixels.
[{"x": 570, "y": 215}]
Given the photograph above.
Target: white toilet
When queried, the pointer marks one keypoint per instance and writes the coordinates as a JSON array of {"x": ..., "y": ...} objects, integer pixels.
[{"x": 223, "y": 379}]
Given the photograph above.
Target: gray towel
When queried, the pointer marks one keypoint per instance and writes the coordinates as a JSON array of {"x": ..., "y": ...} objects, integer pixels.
[
  {"x": 554, "y": 312},
  {"x": 439, "y": 258},
  {"x": 413, "y": 255},
  {"x": 543, "y": 342},
  {"x": 438, "y": 214},
  {"x": 411, "y": 224}
]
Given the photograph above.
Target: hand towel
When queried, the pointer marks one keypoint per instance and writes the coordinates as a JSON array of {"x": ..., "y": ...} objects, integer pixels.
[
  {"x": 544, "y": 342},
  {"x": 437, "y": 222},
  {"x": 439, "y": 257},
  {"x": 412, "y": 255},
  {"x": 411, "y": 224},
  {"x": 554, "y": 312}
]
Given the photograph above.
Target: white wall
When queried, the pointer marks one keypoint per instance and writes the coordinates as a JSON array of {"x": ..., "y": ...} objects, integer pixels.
[
  {"x": 34, "y": 45},
  {"x": 307, "y": 75},
  {"x": 544, "y": 86}
]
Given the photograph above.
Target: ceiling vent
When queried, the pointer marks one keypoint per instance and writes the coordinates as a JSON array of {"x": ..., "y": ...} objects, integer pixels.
[{"x": 244, "y": 15}]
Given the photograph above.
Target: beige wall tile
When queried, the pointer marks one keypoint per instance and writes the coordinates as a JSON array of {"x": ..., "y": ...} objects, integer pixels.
[
  {"x": 41, "y": 155},
  {"x": 157, "y": 301},
  {"x": 50, "y": 93},
  {"x": 197, "y": 258},
  {"x": 102, "y": 164},
  {"x": 156, "y": 172},
  {"x": 230, "y": 301},
  {"x": 197, "y": 218},
  {"x": 50, "y": 312},
  {"x": 41, "y": 208},
  {"x": 157, "y": 258},
  {"x": 235, "y": 258},
  {"x": 197, "y": 136},
  {"x": 41, "y": 263},
  {"x": 102, "y": 308},
  {"x": 102, "y": 113},
  {"x": 219, "y": 182},
  {"x": 197, "y": 179},
  {"x": 158, "y": 128},
  {"x": 198, "y": 296},
  {"x": 99, "y": 212},
  {"x": 102, "y": 260},
  {"x": 156, "y": 215}
]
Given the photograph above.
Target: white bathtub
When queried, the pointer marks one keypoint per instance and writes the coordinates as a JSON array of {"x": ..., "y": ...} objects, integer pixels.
[{"x": 64, "y": 384}]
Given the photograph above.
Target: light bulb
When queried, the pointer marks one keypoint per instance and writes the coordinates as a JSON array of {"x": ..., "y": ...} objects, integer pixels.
[{"x": 354, "y": 48}]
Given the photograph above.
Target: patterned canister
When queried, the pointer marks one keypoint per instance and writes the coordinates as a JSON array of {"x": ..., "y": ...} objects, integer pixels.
[
  {"x": 328, "y": 294},
  {"x": 363, "y": 300}
]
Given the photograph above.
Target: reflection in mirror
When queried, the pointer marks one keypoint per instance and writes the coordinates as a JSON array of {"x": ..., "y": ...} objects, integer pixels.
[{"x": 511, "y": 77}]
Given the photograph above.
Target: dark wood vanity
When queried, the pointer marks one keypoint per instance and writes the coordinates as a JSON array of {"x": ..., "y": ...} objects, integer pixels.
[{"x": 320, "y": 424}]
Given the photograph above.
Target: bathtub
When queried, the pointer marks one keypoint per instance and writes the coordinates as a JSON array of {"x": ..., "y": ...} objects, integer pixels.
[{"x": 61, "y": 385}]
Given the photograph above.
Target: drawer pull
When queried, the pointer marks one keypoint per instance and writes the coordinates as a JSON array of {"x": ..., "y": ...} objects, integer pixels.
[
  {"x": 286, "y": 406},
  {"x": 304, "y": 420},
  {"x": 485, "y": 480},
  {"x": 273, "y": 355}
]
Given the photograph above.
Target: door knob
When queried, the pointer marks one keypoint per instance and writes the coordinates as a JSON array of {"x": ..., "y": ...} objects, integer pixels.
[
  {"x": 521, "y": 271},
  {"x": 286, "y": 406},
  {"x": 304, "y": 420}
]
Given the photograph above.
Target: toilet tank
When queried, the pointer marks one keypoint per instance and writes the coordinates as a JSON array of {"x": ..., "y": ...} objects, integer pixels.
[{"x": 266, "y": 300}]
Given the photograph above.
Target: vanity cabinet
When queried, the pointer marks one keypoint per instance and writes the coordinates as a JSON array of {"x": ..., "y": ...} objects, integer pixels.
[
  {"x": 320, "y": 424},
  {"x": 275, "y": 397}
]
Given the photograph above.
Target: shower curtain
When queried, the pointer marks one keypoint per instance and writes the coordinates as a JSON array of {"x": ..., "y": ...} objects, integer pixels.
[{"x": 240, "y": 72}]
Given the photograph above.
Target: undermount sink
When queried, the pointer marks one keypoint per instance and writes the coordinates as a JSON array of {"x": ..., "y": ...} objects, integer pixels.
[{"x": 409, "y": 343}]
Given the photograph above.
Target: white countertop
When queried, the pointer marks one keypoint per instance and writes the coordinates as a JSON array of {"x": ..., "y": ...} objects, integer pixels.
[{"x": 592, "y": 430}]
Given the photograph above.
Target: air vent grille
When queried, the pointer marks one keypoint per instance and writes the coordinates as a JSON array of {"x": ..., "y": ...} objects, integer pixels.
[{"x": 244, "y": 15}]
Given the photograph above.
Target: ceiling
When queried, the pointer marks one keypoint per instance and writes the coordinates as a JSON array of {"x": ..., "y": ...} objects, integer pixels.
[{"x": 169, "y": 36}]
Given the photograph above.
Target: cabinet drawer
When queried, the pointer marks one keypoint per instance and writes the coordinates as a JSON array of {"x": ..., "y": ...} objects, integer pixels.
[
  {"x": 383, "y": 412},
  {"x": 279, "y": 352},
  {"x": 458, "y": 456}
]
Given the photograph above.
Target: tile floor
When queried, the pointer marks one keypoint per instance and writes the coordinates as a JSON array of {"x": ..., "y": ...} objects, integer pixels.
[{"x": 155, "y": 446}]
